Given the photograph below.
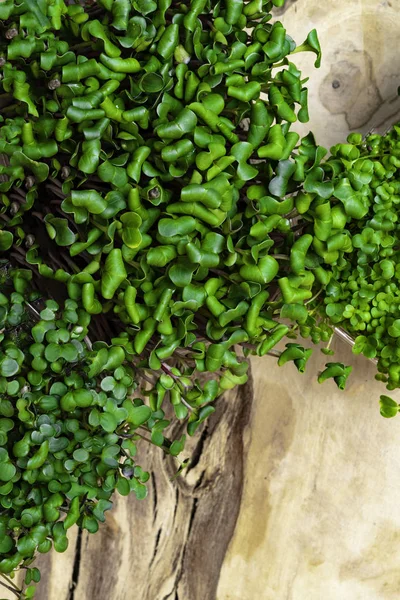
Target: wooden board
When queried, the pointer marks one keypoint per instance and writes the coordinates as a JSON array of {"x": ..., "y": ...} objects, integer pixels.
[
  {"x": 292, "y": 494},
  {"x": 294, "y": 487},
  {"x": 318, "y": 518},
  {"x": 355, "y": 88},
  {"x": 171, "y": 545}
]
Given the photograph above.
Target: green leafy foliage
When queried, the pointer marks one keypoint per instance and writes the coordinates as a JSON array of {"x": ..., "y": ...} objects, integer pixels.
[
  {"x": 72, "y": 415},
  {"x": 151, "y": 185},
  {"x": 165, "y": 220},
  {"x": 358, "y": 240},
  {"x": 142, "y": 149}
]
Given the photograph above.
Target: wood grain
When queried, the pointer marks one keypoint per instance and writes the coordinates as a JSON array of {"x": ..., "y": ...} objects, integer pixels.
[
  {"x": 318, "y": 516},
  {"x": 170, "y": 546},
  {"x": 294, "y": 487},
  {"x": 292, "y": 495},
  {"x": 356, "y": 85}
]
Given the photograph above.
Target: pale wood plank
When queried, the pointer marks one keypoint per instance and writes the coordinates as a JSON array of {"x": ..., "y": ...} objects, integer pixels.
[
  {"x": 319, "y": 516},
  {"x": 356, "y": 85}
]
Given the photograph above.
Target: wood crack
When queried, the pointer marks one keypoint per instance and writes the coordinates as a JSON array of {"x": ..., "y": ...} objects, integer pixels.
[
  {"x": 77, "y": 565},
  {"x": 176, "y": 503},
  {"x": 153, "y": 481},
  {"x": 192, "y": 515},
  {"x": 186, "y": 525},
  {"x": 198, "y": 450},
  {"x": 155, "y": 547},
  {"x": 200, "y": 481}
]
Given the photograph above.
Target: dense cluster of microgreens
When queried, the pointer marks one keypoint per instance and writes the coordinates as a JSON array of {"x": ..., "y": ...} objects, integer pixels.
[
  {"x": 363, "y": 294},
  {"x": 67, "y": 436},
  {"x": 135, "y": 145},
  {"x": 151, "y": 187}
]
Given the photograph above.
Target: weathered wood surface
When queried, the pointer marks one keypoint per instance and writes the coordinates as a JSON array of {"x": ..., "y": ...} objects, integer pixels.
[
  {"x": 319, "y": 517},
  {"x": 293, "y": 495},
  {"x": 356, "y": 86},
  {"x": 294, "y": 489},
  {"x": 172, "y": 545}
]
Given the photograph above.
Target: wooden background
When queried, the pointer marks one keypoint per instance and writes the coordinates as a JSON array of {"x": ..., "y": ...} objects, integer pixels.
[{"x": 294, "y": 488}]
